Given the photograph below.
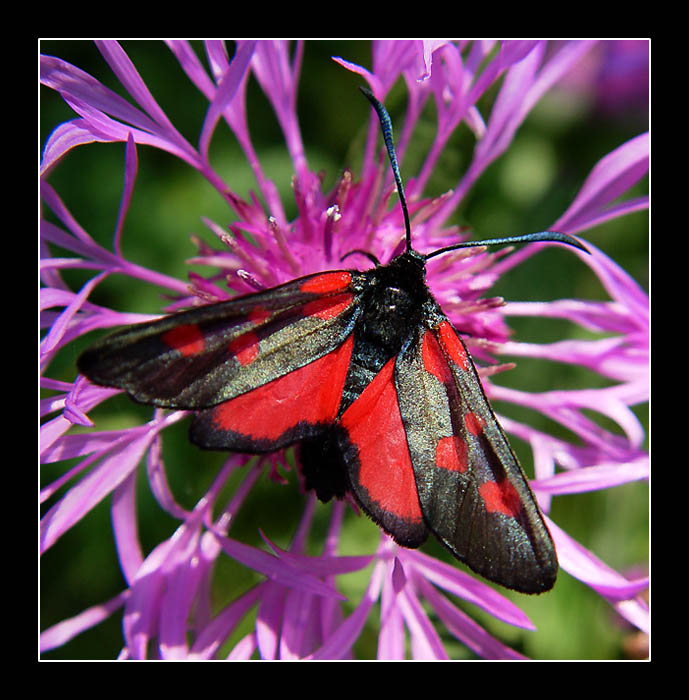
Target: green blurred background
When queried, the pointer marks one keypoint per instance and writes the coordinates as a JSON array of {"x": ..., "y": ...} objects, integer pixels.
[{"x": 525, "y": 190}]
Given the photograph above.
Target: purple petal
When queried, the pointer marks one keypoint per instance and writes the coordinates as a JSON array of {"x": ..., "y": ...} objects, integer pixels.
[
  {"x": 81, "y": 498},
  {"x": 621, "y": 287},
  {"x": 468, "y": 588},
  {"x": 268, "y": 620},
  {"x": 131, "y": 164},
  {"x": 428, "y": 47},
  {"x": 275, "y": 569},
  {"x": 244, "y": 649},
  {"x": 67, "y": 79},
  {"x": 301, "y": 632},
  {"x": 66, "y": 136},
  {"x": 127, "y": 74},
  {"x": 59, "y": 327},
  {"x": 391, "y": 640},
  {"x": 178, "y": 601},
  {"x": 93, "y": 101},
  {"x": 340, "y": 642},
  {"x": 374, "y": 83},
  {"x": 322, "y": 565},
  {"x": 611, "y": 177},
  {"x": 214, "y": 634},
  {"x": 581, "y": 564},
  {"x": 225, "y": 94},
  {"x": 425, "y": 641},
  {"x": 64, "y": 631},
  {"x": 192, "y": 66},
  {"x": 464, "y": 628},
  {"x": 143, "y": 606},
  {"x": 594, "y": 478},
  {"x": 52, "y": 431},
  {"x": 125, "y": 528}
]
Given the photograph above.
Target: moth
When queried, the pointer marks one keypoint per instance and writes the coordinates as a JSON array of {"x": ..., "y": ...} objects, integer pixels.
[{"x": 365, "y": 374}]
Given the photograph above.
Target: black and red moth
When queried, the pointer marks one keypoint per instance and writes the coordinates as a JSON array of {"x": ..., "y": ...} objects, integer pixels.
[{"x": 367, "y": 376}]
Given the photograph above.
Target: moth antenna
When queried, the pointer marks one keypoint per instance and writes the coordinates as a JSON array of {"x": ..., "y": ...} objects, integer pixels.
[
  {"x": 552, "y": 236},
  {"x": 386, "y": 127},
  {"x": 370, "y": 256}
]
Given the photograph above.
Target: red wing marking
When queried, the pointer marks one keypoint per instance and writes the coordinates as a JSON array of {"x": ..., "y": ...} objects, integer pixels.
[
  {"x": 186, "y": 339},
  {"x": 328, "y": 307},
  {"x": 374, "y": 425},
  {"x": 452, "y": 345},
  {"x": 310, "y": 394},
  {"x": 451, "y": 453},
  {"x": 259, "y": 315},
  {"x": 327, "y": 282},
  {"x": 434, "y": 361},
  {"x": 244, "y": 348},
  {"x": 500, "y": 497},
  {"x": 474, "y": 423}
]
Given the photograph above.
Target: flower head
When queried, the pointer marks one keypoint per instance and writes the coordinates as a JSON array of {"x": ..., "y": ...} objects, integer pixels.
[{"x": 170, "y": 600}]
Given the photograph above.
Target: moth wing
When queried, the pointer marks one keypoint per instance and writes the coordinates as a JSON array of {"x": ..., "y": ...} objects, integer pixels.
[
  {"x": 473, "y": 493},
  {"x": 373, "y": 445},
  {"x": 202, "y": 357},
  {"x": 293, "y": 407}
]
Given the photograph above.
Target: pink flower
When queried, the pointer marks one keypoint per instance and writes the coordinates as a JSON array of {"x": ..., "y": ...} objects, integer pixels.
[{"x": 168, "y": 599}]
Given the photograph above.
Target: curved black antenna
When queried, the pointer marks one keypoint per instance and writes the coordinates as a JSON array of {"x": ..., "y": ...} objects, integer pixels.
[
  {"x": 386, "y": 126},
  {"x": 553, "y": 236},
  {"x": 370, "y": 256}
]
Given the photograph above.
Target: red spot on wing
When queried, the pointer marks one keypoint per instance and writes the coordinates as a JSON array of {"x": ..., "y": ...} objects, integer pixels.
[
  {"x": 186, "y": 339},
  {"x": 452, "y": 345},
  {"x": 259, "y": 315},
  {"x": 474, "y": 423},
  {"x": 451, "y": 453},
  {"x": 433, "y": 359},
  {"x": 244, "y": 348},
  {"x": 327, "y": 282},
  {"x": 329, "y": 307},
  {"x": 374, "y": 425},
  {"x": 500, "y": 497},
  {"x": 310, "y": 394}
]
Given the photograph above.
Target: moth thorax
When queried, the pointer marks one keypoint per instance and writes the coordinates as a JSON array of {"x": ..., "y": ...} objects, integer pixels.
[{"x": 389, "y": 317}]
